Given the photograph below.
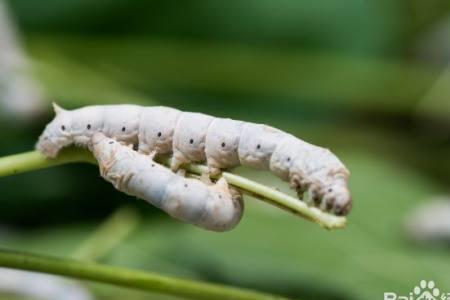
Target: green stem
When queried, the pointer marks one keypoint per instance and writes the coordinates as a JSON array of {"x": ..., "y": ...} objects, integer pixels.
[
  {"x": 34, "y": 160},
  {"x": 29, "y": 161},
  {"x": 127, "y": 278}
]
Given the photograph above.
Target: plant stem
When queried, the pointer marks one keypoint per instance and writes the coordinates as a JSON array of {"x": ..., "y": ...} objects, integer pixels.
[
  {"x": 125, "y": 277},
  {"x": 29, "y": 161},
  {"x": 34, "y": 160}
]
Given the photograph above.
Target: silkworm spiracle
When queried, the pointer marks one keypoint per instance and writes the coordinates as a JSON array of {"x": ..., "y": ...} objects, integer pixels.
[
  {"x": 222, "y": 143},
  {"x": 214, "y": 207}
]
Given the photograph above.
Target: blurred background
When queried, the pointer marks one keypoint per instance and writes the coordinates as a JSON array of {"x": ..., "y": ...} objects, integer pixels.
[{"x": 367, "y": 79}]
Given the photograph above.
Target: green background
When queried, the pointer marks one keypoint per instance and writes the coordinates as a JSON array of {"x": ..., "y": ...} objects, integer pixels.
[{"x": 367, "y": 79}]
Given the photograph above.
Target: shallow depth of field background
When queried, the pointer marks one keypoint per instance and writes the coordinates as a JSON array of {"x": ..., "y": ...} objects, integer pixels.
[{"x": 367, "y": 79}]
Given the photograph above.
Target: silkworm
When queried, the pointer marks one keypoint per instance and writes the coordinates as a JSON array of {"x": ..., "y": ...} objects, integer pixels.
[
  {"x": 215, "y": 207},
  {"x": 222, "y": 143}
]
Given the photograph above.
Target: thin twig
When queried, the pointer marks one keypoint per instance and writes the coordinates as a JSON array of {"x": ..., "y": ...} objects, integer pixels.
[
  {"x": 127, "y": 278},
  {"x": 34, "y": 160},
  {"x": 29, "y": 161}
]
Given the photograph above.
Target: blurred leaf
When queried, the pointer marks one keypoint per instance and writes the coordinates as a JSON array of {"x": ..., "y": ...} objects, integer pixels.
[
  {"x": 320, "y": 79},
  {"x": 73, "y": 84},
  {"x": 316, "y": 24},
  {"x": 436, "y": 102}
]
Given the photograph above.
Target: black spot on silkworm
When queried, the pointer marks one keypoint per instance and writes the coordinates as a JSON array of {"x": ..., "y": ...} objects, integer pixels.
[
  {"x": 159, "y": 134},
  {"x": 88, "y": 126},
  {"x": 153, "y": 165},
  {"x": 123, "y": 129},
  {"x": 111, "y": 142},
  {"x": 45, "y": 138},
  {"x": 288, "y": 159},
  {"x": 330, "y": 190},
  {"x": 63, "y": 127},
  {"x": 220, "y": 196},
  {"x": 135, "y": 147},
  {"x": 191, "y": 141},
  {"x": 258, "y": 146},
  {"x": 223, "y": 145},
  {"x": 185, "y": 185}
]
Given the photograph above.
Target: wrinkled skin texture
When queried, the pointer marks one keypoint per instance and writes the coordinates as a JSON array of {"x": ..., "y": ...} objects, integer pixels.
[
  {"x": 214, "y": 207},
  {"x": 222, "y": 143}
]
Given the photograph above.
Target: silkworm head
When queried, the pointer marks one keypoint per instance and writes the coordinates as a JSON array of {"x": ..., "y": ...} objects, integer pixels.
[
  {"x": 331, "y": 177},
  {"x": 57, "y": 134},
  {"x": 337, "y": 198}
]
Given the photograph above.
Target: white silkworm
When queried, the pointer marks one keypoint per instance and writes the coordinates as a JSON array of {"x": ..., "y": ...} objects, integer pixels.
[
  {"x": 222, "y": 143},
  {"x": 215, "y": 207}
]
